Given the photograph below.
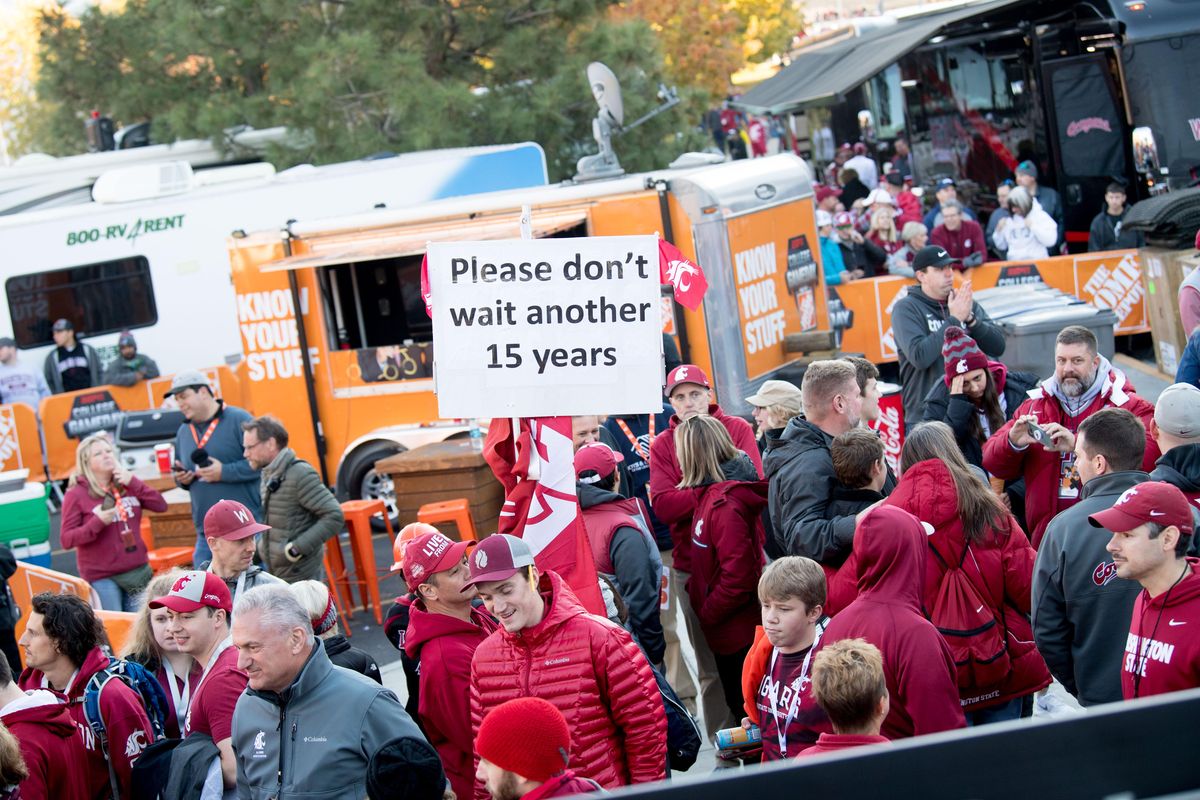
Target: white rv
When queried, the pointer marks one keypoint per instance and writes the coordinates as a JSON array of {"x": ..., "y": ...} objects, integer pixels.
[{"x": 150, "y": 253}]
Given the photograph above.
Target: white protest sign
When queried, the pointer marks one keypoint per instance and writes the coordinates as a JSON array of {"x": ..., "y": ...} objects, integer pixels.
[{"x": 546, "y": 327}]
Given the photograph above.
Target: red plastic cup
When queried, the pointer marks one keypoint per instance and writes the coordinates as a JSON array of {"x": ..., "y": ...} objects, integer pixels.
[{"x": 162, "y": 452}]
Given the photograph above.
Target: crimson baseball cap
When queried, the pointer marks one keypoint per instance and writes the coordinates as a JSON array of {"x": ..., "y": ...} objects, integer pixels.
[
  {"x": 193, "y": 591},
  {"x": 429, "y": 553},
  {"x": 1153, "y": 501},
  {"x": 498, "y": 558},
  {"x": 825, "y": 192},
  {"x": 596, "y": 457},
  {"x": 229, "y": 519},
  {"x": 686, "y": 373}
]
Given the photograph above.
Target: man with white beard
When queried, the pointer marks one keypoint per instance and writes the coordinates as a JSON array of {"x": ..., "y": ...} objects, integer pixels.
[{"x": 1038, "y": 443}]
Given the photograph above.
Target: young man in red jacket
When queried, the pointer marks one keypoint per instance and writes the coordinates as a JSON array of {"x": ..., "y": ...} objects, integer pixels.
[
  {"x": 62, "y": 653},
  {"x": 587, "y": 667},
  {"x": 921, "y": 678},
  {"x": 50, "y": 743},
  {"x": 523, "y": 746},
  {"x": 1152, "y": 528},
  {"x": 443, "y": 632},
  {"x": 1083, "y": 383},
  {"x": 848, "y": 683},
  {"x": 690, "y": 394}
]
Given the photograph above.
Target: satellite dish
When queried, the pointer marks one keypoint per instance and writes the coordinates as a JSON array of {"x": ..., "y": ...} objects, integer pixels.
[{"x": 607, "y": 91}]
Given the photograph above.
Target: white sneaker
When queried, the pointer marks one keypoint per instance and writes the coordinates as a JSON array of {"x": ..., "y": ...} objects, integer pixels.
[{"x": 1049, "y": 703}]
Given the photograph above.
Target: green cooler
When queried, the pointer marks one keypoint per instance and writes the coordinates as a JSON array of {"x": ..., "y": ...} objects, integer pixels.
[{"x": 25, "y": 523}]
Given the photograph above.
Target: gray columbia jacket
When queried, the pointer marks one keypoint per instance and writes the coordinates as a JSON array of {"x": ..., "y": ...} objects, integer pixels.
[{"x": 315, "y": 739}]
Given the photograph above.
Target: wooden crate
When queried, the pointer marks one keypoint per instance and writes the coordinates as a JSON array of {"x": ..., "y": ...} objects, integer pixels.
[
  {"x": 174, "y": 527},
  {"x": 445, "y": 471}
]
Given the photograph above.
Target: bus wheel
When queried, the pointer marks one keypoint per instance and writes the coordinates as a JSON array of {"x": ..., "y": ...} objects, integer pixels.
[{"x": 364, "y": 483}]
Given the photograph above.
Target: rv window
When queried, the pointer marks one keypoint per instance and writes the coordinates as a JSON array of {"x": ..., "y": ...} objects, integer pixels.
[
  {"x": 98, "y": 298},
  {"x": 375, "y": 303}
]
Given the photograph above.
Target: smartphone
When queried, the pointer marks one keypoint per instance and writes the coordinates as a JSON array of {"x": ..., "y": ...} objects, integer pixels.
[
  {"x": 1040, "y": 436},
  {"x": 108, "y": 502}
]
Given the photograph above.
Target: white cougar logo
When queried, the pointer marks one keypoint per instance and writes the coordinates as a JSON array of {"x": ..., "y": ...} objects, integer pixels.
[
  {"x": 679, "y": 273},
  {"x": 260, "y": 741},
  {"x": 135, "y": 744}
]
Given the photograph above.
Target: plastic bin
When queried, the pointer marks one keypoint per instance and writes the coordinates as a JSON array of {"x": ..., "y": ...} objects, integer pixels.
[
  {"x": 25, "y": 523},
  {"x": 1031, "y": 334}
]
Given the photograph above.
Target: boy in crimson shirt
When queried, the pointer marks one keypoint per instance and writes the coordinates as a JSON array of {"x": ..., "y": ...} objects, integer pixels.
[
  {"x": 1152, "y": 528},
  {"x": 200, "y": 604},
  {"x": 776, "y": 678},
  {"x": 62, "y": 653},
  {"x": 848, "y": 684},
  {"x": 443, "y": 631}
]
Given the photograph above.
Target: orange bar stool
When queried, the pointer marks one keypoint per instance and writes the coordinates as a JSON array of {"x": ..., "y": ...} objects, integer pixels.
[
  {"x": 339, "y": 580},
  {"x": 163, "y": 558},
  {"x": 358, "y": 515},
  {"x": 457, "y": 511}
]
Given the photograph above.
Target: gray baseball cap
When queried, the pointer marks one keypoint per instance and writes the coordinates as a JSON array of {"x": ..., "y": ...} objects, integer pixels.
[
  {"x": 1177, "y": 411},
  {"x": 188, "y": 379}
]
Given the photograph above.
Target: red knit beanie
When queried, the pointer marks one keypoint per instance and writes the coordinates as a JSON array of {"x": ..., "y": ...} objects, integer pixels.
[
  {"x": 528, "y": 736},
  {"x": 960, "y": 353}
]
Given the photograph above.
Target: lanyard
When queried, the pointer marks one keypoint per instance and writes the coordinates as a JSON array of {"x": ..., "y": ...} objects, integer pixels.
[
  {"x": 122, "y": 512},
  {"x": 179, "y": 700},
  {"x": 66, "y": 689},
  {"x": 241, "y": 583},
  {"x": 201, "y": 441},
  {"x": 637, "y": 448},
  {"x": 221, "y": 648},
  {"x": 794, "y": 705}
]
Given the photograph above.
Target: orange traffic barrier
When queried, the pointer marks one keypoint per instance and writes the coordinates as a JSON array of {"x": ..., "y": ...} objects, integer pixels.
[
  {"x": 457, "y": 511},
  {"x": 30, "y": 580},
  {"x": 117, "y": 625},
  {"x": 358, "y": 515}
]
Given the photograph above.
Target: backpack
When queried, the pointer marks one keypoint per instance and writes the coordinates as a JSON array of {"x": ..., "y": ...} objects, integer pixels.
[
  {"x": 967, "y": 622},
  {"x": 148, "y": 690}
]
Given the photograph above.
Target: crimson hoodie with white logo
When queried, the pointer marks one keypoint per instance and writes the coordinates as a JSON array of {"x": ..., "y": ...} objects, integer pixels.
[{"x": 1164, "y": 640}]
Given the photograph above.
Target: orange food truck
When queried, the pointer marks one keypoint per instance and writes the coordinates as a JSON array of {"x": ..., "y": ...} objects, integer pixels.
[{"x": 334, "y": 328}]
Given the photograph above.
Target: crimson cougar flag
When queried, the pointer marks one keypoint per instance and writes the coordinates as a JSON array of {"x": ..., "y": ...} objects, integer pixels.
[
  {"x": 684, "y": 275},
  {"x": 426, "y": 292},
  {"x": 540, "y": 506}
]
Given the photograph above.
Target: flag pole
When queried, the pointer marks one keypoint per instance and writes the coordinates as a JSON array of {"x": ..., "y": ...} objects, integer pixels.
[{"x": 535, "y": 467}]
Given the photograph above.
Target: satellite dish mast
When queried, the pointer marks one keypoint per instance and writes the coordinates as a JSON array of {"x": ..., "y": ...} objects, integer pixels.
[{"x": 607, "y": 91}]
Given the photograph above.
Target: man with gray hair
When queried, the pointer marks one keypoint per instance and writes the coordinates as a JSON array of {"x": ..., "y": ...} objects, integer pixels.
[
  {"x": 800, "y": 468},
  {"x": 301, "y": 511},
  {"x": 303, "y": 728}
]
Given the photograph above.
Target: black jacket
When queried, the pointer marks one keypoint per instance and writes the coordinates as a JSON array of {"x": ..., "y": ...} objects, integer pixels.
[
  {"x": 1081, "y": 609},
  {"x": 344, "y": 654},
  {"x": 395, "y": 625},
  {"x": 848, "y": 502},
  {"x": 868, "y": 256},
  {"x": 1110, "y": 233},
  {"x": 956, "y": 411},
  {"x": 637, "y": 578},
  {"x": 917, "y": 322},
  {"x": 1180, "y": 467},
  {"x": 800, "y": 470}
]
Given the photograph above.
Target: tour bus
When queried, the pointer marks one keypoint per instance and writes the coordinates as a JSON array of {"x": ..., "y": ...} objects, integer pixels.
[
  {"x": 148, "y": 253},
  {"x": 359, "y": 363}
]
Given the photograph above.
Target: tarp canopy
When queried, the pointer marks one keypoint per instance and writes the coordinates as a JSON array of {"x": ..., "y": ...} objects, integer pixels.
[{"x": 822, "y": 75}]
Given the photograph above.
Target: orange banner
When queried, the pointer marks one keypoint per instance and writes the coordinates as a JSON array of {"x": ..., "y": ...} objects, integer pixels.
[
  {"x": 870, "y": 303},
  {"x": 20, "y": 446},
  {"x": 67, "y": 418}
]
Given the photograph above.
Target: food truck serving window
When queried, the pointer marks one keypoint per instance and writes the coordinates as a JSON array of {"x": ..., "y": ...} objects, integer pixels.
[
  {"x": 374, "y": 303},
  {"x": 98, "y": 298}
]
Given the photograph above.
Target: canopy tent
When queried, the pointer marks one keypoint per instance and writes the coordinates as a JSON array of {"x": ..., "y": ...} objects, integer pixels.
[{"x": 822, "y": 75}]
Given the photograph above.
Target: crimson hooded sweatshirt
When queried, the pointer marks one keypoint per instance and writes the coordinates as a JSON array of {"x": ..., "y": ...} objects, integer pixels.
[
  {"x": 917, "y": 665},
  {"x": 446, "y": 645},
  {"x": 1164, "y": 639},
  {"x": 125, "y": 721},
  {"x": 50, "y": 745}
]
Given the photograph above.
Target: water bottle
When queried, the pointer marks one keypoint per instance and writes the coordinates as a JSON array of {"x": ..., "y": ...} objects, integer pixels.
[{"x": 475, "y": 434}]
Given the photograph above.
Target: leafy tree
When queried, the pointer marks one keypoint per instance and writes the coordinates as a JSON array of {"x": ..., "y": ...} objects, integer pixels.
[{"x": 362, "y": 76}]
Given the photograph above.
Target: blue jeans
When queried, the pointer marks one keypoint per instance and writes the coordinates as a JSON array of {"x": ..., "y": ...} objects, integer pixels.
[
  {"x": 113, "y": 597},
  {"x": 1001, "y": 713},
  {"x": 202, "y": 554}
]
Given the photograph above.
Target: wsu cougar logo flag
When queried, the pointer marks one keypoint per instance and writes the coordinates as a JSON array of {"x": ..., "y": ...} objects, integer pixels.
[
  {"x": 685, "y": 276},
  {"x": 540, "y": 506}
]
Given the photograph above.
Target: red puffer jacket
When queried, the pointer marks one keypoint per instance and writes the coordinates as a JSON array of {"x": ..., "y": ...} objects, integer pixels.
[
  {"x": 727, "y": 561},
  {"x": 591, "y": 670},
  {"x": 675, "y": 506},
  {"x": 1004, "y": 575},
  {"x": 1042, "y": 468}
]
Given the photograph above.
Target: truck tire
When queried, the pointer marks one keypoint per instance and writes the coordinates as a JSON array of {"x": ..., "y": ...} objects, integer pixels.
[{"x": 362, "y": 482}]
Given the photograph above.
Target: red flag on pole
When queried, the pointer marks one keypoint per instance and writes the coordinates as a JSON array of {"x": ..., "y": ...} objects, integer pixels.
[
  {"x": 426, "y": 292},
  {"x": 684, "y": 275},
  {"x": 540, "y": 505}
]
